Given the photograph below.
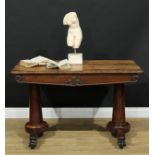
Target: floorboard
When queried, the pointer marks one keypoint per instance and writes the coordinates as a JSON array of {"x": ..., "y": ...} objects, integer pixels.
[{"x": 77, "y": 137}]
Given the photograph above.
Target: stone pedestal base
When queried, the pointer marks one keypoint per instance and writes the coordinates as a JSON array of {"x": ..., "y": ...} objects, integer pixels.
[{"x": 75, "y": 58}]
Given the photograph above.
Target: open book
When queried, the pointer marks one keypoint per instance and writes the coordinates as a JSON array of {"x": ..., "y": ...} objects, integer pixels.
[{"x": 43, "y": 61}]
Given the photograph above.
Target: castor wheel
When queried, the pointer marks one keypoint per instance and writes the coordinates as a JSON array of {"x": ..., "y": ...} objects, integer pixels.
[
  {"x": 33, "y": 142},
  {"x": 121, "y": 142}
]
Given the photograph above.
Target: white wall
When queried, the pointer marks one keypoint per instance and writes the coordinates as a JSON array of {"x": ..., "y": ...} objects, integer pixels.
[{"x": 142, "y": 112}]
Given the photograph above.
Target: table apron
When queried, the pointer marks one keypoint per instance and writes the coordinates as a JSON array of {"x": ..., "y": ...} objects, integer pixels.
[{"x": 76, "y": 80}]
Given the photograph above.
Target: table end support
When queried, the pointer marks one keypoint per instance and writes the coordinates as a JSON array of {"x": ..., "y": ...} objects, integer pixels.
[
  {"x": 36, "y": 126},
  {"x": 118, "y": 126}
]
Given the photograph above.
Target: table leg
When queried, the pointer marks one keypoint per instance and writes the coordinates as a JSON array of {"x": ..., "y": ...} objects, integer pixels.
[
  {"x": 118, "y": 126},
  {"x": 36, "y": 126}
]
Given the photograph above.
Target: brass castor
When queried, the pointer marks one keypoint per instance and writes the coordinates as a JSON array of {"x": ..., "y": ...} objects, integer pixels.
[
  {"x": 121, "y": 142},
  {"x": 33, "y": 141}
]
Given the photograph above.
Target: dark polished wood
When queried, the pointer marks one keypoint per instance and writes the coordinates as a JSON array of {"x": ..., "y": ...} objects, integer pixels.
[
  {"x": 118, "y": 126},
  {"x": 36, "y": 126},
  {"x": 92, "y": 72}
]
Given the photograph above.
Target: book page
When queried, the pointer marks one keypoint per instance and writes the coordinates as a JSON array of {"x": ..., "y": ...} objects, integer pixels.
[{"x": 40, "y": 60}]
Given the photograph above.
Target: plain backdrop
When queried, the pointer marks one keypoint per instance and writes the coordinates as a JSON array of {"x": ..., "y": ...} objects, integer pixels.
[{"x": 112, "y": 29}]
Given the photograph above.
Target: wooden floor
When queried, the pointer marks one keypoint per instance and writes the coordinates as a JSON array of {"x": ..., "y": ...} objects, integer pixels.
[{"x": 77, "y": 137}]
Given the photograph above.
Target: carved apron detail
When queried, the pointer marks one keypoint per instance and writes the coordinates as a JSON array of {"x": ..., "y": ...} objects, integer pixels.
[
  {"x": 134, "y": 78},
  {"x": 74, "y": 81},
  {"x": 19, "y": 78}
]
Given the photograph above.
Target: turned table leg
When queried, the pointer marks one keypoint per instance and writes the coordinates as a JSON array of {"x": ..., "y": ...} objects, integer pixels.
[
  {"x": 118, "y": 126},
  {"x": 36, "y": 126}
]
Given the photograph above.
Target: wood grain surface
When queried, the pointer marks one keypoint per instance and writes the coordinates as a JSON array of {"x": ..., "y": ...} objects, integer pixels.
[{"x": 89, "y": 67}]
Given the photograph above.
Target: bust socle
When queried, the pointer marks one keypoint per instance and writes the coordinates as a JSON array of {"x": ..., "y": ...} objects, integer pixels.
[{"x": 74, "y": 37}]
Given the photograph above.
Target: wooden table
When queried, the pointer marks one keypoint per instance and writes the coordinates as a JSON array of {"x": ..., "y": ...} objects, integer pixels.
[{"x": 92, "y": 72}]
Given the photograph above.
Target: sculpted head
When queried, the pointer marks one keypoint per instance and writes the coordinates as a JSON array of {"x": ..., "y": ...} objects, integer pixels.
[{"x": 70, "y": 19}]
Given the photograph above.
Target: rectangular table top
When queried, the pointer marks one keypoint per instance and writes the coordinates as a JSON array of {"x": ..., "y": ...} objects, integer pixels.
[{"x": 88, "y": 67}]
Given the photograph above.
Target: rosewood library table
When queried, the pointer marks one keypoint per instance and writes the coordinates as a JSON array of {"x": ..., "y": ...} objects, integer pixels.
[{"x": 92, "y": 72}]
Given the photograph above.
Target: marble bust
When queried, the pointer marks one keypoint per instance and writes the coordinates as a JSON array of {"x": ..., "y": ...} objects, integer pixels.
[{"x": 74, "y": 37}]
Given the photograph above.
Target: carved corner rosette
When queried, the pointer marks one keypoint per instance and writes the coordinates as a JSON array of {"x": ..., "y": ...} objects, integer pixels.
[
  {"x": 74, "y": 81},
  {"x": 19, "y": 78},
  {"x": 134, "y": 78}
]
